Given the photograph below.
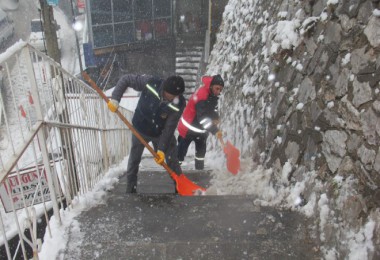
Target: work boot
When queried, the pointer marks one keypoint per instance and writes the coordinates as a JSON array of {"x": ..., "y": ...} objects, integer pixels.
[
  {"x": 131, "y": 188},
  {"x": 199, "y": 164}
]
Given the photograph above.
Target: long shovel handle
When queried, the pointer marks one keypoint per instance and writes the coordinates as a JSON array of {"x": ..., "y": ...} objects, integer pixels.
[
  {"x": 134, "y": 131},
  {"x": 222, "y": 142}
]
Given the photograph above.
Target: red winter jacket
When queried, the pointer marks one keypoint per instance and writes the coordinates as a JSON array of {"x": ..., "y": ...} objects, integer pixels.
[{"x": 202, "y": 105}]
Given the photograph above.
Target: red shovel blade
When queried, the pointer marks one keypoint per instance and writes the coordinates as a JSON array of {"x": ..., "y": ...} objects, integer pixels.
[
  {"x": 233, "y": 155},
  {"x": 186, "y": 187}
]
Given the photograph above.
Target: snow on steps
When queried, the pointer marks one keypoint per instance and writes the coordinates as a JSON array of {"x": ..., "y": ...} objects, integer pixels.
[{"x": 188, "y": 60}]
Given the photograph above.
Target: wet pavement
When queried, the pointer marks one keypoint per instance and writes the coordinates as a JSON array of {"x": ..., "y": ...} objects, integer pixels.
[{"x": 158, "y": 224}]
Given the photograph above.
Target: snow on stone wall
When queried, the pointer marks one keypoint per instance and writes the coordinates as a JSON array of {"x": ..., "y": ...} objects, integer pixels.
[{"x": 302, "y": 87}]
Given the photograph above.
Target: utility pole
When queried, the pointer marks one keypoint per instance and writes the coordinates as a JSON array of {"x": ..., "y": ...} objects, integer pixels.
[
  {"x": 76, "y": 38},
  {"x": 50, "y": 31}
]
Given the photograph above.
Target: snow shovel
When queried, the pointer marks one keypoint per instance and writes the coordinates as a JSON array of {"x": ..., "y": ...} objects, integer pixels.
[
  {"x": 184, "y": 186},
  {"x": 232, "y": 156}
]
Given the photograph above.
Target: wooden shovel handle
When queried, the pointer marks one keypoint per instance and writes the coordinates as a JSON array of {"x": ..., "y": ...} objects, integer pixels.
[{"x": 222, "y": 142}]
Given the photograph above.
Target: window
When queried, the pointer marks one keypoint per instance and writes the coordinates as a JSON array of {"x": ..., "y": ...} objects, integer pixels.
[
  {"x": 36, "y": 26},
  {"x": 122, "y": 10},
  {"x": 116, "y": 22},
  {"x": 124, "y": 33},
  {"x": 103, "y": 36},
  {"x": 101, "y": 12},
  {"x": 162, "y": 8},
  {"x": 143, "y": 9}
]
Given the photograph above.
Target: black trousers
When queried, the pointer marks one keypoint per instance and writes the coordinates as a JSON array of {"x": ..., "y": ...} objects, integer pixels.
[
  {"x": 135, "y": 155},
  {"x": 200, "y": 148}
]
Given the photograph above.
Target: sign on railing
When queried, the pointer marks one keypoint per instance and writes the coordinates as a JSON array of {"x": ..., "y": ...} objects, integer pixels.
[{"x": 33, "y": 187}]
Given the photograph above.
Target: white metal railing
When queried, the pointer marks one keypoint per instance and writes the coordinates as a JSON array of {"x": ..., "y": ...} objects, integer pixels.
[{"x": 57, "y": 139}]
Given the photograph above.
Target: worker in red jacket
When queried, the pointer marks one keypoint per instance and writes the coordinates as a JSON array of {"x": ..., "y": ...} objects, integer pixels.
[{"x": 200, "y": 118}]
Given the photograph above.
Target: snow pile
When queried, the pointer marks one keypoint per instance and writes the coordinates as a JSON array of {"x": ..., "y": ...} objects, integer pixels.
[{"x": 53, "y": 247}]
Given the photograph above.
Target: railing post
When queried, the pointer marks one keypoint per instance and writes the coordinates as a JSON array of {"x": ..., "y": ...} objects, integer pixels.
[
  {"x": 41, "y": 135},
  {"x": 103, "y": 136}
]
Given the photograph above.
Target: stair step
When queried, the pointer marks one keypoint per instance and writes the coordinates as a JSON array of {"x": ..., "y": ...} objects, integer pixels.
[
  {"x": 169, "y": 226},
  {"x": 188, "y": 59},
  {"x": 188, "y": 71},
  {"x": 190, "y": 50},
  {"x": 188, "y": 78},
  {"x": 188, "y": 93},
  {"x": 190, "y": 87},
  {"x": 199, "y": 57},
  {"x": 189, "y": 53},
  {"x": 184, "y": 62},
  {"x": 187, "y": 66},
  {"x": 190, "y": 45}
]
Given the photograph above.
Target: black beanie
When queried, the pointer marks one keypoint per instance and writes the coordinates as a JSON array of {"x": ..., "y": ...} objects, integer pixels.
[
  {"x": 174, "y": 85},
  {"x": 217, "y": 80}
]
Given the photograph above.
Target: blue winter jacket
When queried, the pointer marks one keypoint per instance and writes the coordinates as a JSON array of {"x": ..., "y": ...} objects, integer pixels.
[{"x": 153, "y": 115}]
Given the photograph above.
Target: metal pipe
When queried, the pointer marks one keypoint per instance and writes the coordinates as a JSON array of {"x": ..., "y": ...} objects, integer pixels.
[{"x": 76, "y": 38}]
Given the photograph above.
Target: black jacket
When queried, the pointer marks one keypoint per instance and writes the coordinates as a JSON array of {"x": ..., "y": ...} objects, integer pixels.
[
  {"x": 153, "y": 116},
  {"x": 207, "y": 109}
]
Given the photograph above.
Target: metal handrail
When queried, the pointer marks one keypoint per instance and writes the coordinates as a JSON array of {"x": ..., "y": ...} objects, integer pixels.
[{"x": 58, "y": 140}]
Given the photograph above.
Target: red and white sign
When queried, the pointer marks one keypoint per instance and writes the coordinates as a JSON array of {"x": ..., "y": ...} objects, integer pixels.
[
  {"x": 80, "y": 5},
  {"x": 31, "y": 190}
]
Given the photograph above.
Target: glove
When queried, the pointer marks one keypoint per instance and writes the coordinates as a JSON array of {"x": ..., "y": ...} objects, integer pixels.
[
  {"x": 160, "y": 157},
  {"x": 113, "y": 105},
  {"x": 219, "y": 134}
]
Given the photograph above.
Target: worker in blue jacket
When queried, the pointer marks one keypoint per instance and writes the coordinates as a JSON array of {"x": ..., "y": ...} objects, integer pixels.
[{"x": 156, "y": 117}]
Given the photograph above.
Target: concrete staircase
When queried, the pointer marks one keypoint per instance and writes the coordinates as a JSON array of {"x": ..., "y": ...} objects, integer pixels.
[
  {"x": 189, "y": 54},
  {"x": 155, "y": 223}
]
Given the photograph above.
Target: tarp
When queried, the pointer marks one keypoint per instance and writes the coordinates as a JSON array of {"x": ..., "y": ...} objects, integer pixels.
[
  {"x": 89, "y": 58},
  {"x": 52, "y": 2}
]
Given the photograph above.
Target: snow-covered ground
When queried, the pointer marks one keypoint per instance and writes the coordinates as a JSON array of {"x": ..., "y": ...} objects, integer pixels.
[{"x": 256, "y": 182}]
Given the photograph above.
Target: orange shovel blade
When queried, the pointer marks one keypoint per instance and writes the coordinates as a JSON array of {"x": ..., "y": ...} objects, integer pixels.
[
  {"x": 233, "y": 155},
  {"x": 186, "y": 187}
]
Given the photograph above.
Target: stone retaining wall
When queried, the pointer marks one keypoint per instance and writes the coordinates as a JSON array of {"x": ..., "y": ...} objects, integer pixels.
[{"x": 309, "y": 98}]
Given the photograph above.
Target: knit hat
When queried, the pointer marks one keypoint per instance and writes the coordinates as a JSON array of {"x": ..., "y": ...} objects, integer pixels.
[
  {"x": 174, "y": 85},
  {"x": 217, "y": 80}
]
